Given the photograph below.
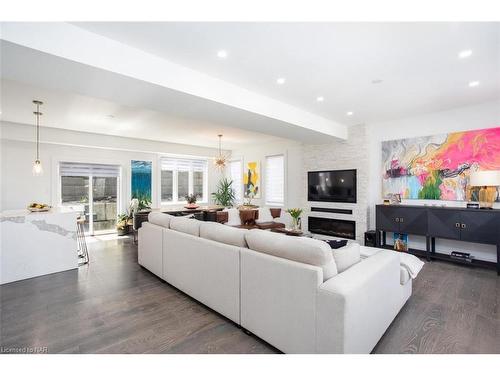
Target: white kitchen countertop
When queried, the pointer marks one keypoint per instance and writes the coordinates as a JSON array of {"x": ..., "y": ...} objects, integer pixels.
[{"x": 25, "y": 212}]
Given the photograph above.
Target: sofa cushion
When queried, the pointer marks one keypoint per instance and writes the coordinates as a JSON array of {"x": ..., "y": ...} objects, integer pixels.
[
  {"x": 159, "y": 218},
  {"x": 299, "y": 249},
  {"x": 223, "y": 233},
  {"x": 185, "y": 225},
  {"x": 346, "y": 256},
  {"x": 233, "y": 216},
  {"x": 264, "y": 215}
]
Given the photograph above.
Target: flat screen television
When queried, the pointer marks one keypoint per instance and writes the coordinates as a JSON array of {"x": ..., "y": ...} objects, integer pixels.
[{"x": 332, "y": 186}]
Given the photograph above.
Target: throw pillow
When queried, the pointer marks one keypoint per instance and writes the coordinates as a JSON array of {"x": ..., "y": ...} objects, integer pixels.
[
  {"x": 346, "y": 256},
  {"x": 233, "y": 217},
  {"x": 264, "y": 215},
  {"x": 285, "y": 218}
]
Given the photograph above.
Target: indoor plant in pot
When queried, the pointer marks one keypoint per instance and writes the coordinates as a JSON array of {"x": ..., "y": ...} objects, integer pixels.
[
  {"x": 295, "y": 214},
  {"x": 224, "y": 195},
  {"x": 144, "y": 204},
  {"x": 248, "y": 202},
  {"x": 191, "y": 201},
  {"x": 122, "y": 224}
]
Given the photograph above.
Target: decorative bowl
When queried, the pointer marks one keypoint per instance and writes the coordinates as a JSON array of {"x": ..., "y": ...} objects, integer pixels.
[
  {"x": 191, "y": 206},
  {"x": 39, "y": 209}
]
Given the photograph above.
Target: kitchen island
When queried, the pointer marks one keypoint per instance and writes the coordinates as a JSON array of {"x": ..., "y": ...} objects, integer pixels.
[{"x": 37, "y": 243}]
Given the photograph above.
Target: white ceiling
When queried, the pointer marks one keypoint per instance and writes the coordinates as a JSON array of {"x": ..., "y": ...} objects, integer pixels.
[
  {"x": 66, "y": 110},
  {"x": 417, "y": 62},
  {"x": 172, "y": 116}
]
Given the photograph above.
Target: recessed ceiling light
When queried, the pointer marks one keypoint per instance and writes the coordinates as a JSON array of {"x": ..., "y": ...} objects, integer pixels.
[
  {"x": 464, "y": 54},
  {"x": 350, "y": 113},
  {"x": 320, "y": 99},
  {"x": 222, "y": 54},
  {"x": 473, "y": 83},
  {"x": 376, "y": 81},
  {"x": 110, "y": 116},
  {"x": 280, "y": 81}
]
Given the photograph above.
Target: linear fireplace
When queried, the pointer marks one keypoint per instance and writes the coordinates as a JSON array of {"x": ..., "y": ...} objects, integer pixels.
[{"x": 332, "y": 227}]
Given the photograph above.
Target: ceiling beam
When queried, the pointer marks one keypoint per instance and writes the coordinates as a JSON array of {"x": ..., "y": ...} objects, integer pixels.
[{"x": 76, "y": 44}]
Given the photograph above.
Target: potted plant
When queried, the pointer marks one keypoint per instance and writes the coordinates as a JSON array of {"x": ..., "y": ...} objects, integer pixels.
[
  {"x": 122, "y": 224},
  {"x": 248, "y": 202},
  {"x": 295, "y": 214},
  {"x": 191, "y": 201},
  {"x": 138, "y": 204},
  {"x": 224, "y": 195},
  {"x": 144, "y": 204}
]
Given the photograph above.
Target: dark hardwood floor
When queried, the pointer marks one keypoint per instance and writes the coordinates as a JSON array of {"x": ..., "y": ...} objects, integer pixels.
[{"x": 115, "y": 306}]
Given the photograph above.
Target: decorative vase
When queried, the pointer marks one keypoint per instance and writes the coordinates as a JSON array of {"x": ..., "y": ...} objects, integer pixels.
[
  {"x": 487, "y": 195},
  {"x": 296, "y": 223}
]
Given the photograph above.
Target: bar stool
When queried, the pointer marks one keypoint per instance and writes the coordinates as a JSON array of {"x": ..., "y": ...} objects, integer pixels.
[{"x": 83, "y": 252}]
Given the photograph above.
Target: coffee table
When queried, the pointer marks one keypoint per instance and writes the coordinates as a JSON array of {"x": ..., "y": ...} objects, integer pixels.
[{"x": 288, "y": 232}]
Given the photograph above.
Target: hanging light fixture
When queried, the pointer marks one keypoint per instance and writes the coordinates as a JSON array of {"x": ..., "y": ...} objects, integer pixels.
[
  {"x": 37, "y": 165},
  {"x": 221, "y": 160}
]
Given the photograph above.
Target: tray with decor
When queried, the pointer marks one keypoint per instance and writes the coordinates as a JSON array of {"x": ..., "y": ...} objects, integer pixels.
[{"x": 39, "y": 207}]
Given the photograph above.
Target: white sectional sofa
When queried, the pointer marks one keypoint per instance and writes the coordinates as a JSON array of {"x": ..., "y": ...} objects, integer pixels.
[{"x": 286, "y": 290}]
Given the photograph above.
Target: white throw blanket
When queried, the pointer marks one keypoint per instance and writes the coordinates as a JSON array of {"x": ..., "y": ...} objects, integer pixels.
[{"x": 410, "y": 262}]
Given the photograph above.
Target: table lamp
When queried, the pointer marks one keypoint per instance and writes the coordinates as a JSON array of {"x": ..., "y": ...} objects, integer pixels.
[{"x": 489, "y": 181}]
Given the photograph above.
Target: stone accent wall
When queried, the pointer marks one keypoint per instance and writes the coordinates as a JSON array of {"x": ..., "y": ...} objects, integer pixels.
[{"x": 350, "y": 154}]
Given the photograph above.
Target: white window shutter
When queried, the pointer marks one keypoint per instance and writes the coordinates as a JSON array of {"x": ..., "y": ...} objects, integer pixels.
[
  {"x": 275, "y": 180},
  {"x": 87, "y": 169},
  {"x": 179, "y": 167}
]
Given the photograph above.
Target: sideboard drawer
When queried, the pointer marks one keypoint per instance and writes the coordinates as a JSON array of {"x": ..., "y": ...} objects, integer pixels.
[
  {"x": 482, "y": 226},
  {"x": 444, "y": 223}
]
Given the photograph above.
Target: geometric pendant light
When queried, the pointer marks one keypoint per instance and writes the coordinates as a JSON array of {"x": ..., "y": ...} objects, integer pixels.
[
  {"x": 37, "y": 165},
  {"x": 221, "y": 159}
]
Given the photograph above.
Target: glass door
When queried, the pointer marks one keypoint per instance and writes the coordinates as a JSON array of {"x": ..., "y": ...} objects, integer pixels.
[
  {"x": 75, "y": 192},
  {"x": 104, "y": 204},
  {"x": 93, "y": 190}
]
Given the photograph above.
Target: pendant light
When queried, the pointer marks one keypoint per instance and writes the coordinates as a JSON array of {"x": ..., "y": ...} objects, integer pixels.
[
  {"x": 221, "y": 159},
  {"x": 37, "y": 165}
]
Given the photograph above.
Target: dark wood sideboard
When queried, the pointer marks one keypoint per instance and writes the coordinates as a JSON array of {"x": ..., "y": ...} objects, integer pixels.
[{"x": 454, "y": 223}]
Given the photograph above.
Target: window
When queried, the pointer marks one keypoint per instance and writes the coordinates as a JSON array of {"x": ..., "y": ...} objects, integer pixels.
[
  {"x": 236, "y": 176},
  {"x": 275, "y": 180},
  {"x": 183, "y": 176},
  {"x": 167, "y": 186}
]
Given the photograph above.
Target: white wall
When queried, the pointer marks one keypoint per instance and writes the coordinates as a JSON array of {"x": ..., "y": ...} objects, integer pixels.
[
  {"x": 485, "y": 115},
  {"x": 293, "y": 167},
  {"x": 19, "y": 186}
]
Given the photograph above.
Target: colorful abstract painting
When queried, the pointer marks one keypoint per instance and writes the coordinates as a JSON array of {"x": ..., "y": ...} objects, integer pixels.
[
  {"x": 438, "y": 166},
  {"x": 141, "y": 180},
  {"x": 251, "y": 180}
]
